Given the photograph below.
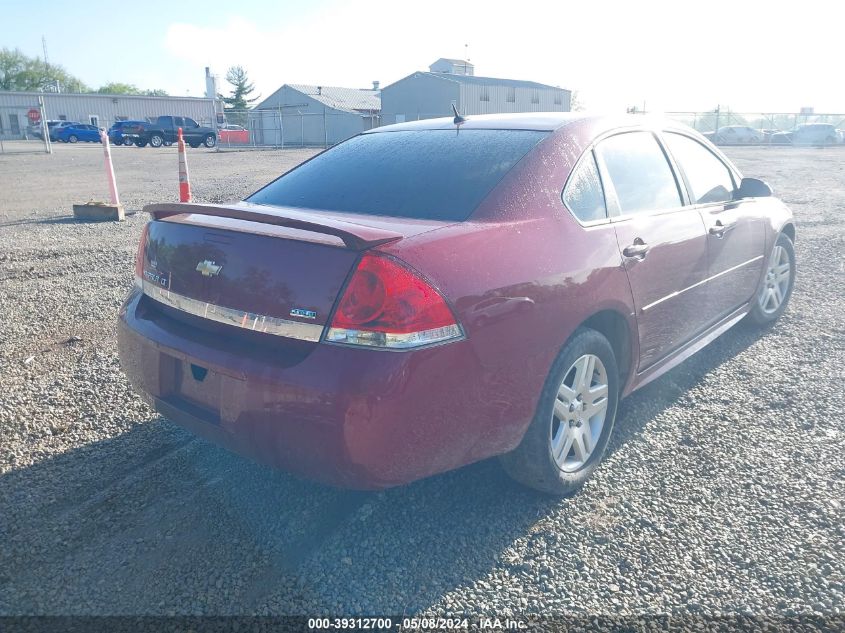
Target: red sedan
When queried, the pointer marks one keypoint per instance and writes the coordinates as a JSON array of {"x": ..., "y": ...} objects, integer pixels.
[{"x": 430, "y": 294}]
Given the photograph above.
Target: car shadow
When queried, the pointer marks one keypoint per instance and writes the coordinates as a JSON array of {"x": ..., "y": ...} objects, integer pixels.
[
  {"x": 64, "y": 219},
  {"x": 155, "y": 521}
]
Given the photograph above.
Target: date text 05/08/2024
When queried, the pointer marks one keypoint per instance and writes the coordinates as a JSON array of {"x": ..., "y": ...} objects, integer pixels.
[{"x": 412, "y": 624}]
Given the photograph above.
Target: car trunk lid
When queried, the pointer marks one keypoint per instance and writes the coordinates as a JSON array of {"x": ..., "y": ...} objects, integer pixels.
[{"x": 266, "y": 269}]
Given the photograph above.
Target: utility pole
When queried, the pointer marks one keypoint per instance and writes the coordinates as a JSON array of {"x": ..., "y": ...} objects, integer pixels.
[{"x": 47, "y": 66}]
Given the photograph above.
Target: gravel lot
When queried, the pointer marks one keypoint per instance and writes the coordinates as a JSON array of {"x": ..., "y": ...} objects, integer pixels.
[{"x": 723, "y": 491}]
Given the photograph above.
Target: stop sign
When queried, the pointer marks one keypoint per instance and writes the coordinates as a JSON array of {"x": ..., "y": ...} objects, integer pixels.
[{"x": 34, "y": 115}]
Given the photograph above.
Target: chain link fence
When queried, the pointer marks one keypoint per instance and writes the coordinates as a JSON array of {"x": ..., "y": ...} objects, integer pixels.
[
  {"x": 23, "y": 133},
  {"x": 725, "y": 127},
  {"x": 281, "y": 128}
]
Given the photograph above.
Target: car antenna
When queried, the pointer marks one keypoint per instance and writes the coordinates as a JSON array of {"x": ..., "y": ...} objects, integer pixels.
[{"x": 458, "y": 118}]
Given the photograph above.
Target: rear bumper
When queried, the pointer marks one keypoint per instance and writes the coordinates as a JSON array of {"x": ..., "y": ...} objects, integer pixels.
[{"x": 349, "y": 417}]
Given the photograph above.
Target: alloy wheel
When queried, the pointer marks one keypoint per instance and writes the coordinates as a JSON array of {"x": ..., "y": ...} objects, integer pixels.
[
  {"x": 776, "y": 284},
  {"x": 579, "y": 414}
]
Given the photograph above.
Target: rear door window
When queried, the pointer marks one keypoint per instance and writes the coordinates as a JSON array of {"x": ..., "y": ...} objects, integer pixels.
[
  {"x": 708, "y": 177},
  {"x": 424, "y": 174},
  {"x": 639, "y": 172},
  {"x": 583, "y": 194}
]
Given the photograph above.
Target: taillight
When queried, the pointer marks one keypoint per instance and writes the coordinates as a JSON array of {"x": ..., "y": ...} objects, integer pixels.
[
  {"x": 388, "y": 305},
  {"x": 139, "y": 258}
]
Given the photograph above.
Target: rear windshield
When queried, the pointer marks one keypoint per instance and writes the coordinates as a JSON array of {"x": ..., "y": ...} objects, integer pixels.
[{"x": 423, "y": 174}]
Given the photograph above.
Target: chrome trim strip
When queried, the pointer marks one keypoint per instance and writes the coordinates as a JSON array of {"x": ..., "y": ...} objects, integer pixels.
[
  {"x": 237, "y": 318},
  {"x": 697, "y": 284}
]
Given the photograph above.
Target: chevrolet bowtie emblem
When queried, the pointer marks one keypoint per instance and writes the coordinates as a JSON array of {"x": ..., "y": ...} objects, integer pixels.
[{"x": 209, "y": 268}]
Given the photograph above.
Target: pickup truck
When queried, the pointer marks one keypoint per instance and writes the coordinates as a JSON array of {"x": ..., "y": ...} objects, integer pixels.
[{"x": 162, "y": 131}]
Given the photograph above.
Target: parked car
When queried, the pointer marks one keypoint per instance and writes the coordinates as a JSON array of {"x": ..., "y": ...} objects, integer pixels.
[
  {"x": 809, "y": 134},
  {"x": 325, "y": 325},
  {"x": 55, "y": 129},
  {"x": 163, "y": 131},
  {"x": 118, "y": 134},
  {"x": 77, "y": 132},
  {"x": 233, "y": 135},
  {"x": 768, "y": 133},
  {"x": 736, "y": 135},
  {"x": 35, "y": 131}
]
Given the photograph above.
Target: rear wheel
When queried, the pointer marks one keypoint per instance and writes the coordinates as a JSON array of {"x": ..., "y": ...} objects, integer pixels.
[
  {"x": 574, "y": 420},
  {"x": 156, "y": 140},
  {"x": 209, "y": 140},
  {"x": 776, "y": 287}
]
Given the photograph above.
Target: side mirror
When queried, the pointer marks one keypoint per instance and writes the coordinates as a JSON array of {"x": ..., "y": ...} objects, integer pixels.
[{"x": 752, "y": 188}]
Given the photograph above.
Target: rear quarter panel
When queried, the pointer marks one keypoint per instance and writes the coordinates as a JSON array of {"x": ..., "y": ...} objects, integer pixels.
[{"x": 522, "y": 244}]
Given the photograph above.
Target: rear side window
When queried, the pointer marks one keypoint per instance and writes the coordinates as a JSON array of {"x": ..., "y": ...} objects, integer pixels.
[
  {"x": 709, "y": 178},
  {"x": 639, "y": 173},
  {"x": 423, "y": 174},
  {"x": 583, "y": 194}
]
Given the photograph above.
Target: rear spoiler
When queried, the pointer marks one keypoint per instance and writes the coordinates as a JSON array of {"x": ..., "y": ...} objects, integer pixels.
[{"x": 354, "y": 236}]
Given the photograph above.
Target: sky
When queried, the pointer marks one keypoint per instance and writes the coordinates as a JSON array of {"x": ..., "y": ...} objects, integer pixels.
[{"x": 669, "y": 56}]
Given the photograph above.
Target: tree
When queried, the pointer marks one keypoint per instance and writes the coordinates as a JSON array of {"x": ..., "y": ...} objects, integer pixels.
[
  {"x": 118, "y": 88},
  {"x": 21, "y": 72},
  {"x": 12, "y": 63},
  {"x": 241, "y": 89}
]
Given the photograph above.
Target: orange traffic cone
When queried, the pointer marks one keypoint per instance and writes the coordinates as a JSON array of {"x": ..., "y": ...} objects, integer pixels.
[{"x": 184, "y": 183}]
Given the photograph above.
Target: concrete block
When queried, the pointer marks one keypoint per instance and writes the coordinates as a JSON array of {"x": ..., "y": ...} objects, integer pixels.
[{"x": 98, "y": 211}]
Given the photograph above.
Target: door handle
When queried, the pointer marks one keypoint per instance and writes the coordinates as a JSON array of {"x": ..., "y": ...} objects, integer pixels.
[
  {"x": 720, "y": 229},
  {"x": 637, "y": 250}
]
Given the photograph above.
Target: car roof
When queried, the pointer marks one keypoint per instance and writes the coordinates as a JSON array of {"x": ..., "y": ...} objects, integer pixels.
[
  {"x": 545, "y": 121},
  {"x": 541, "y": 121},
  {"x": 591, "y": 124}
]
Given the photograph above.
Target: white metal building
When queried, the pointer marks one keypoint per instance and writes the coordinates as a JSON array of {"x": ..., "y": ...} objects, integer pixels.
[
  {"x": 452, "y": 66},
  {"x": 97, "y": 109},
  {"x": 306, "y": 115},
  {"x": 425, "y": 95}
]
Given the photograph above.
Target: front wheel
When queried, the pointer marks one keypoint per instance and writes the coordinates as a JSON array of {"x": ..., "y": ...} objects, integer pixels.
[
  {"x": 128, "y": 141},
  {"x": 776, "y": 287},
  {"x": 567, "y": 438},
  {"x": 73, "y": 138}
]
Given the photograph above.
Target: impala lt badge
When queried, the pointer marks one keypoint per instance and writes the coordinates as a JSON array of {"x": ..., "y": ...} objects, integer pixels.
[{"x": 208, "y": 268}]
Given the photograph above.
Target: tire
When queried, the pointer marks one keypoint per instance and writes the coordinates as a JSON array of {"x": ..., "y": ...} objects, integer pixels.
[
  {"x": 128, "y": 141},
  {"x": 209, "y": 141},
  {"x": 156, "y": 140},
  {"x": 533, "y": 463},
  {"x": 73, "y": 138},
  {"x": 140, "y": 143},
  {"x": 766, "y": 308}
]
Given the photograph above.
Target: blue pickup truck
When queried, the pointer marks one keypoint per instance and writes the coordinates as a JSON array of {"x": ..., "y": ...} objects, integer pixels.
[{"x": 162, "y": 131}]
